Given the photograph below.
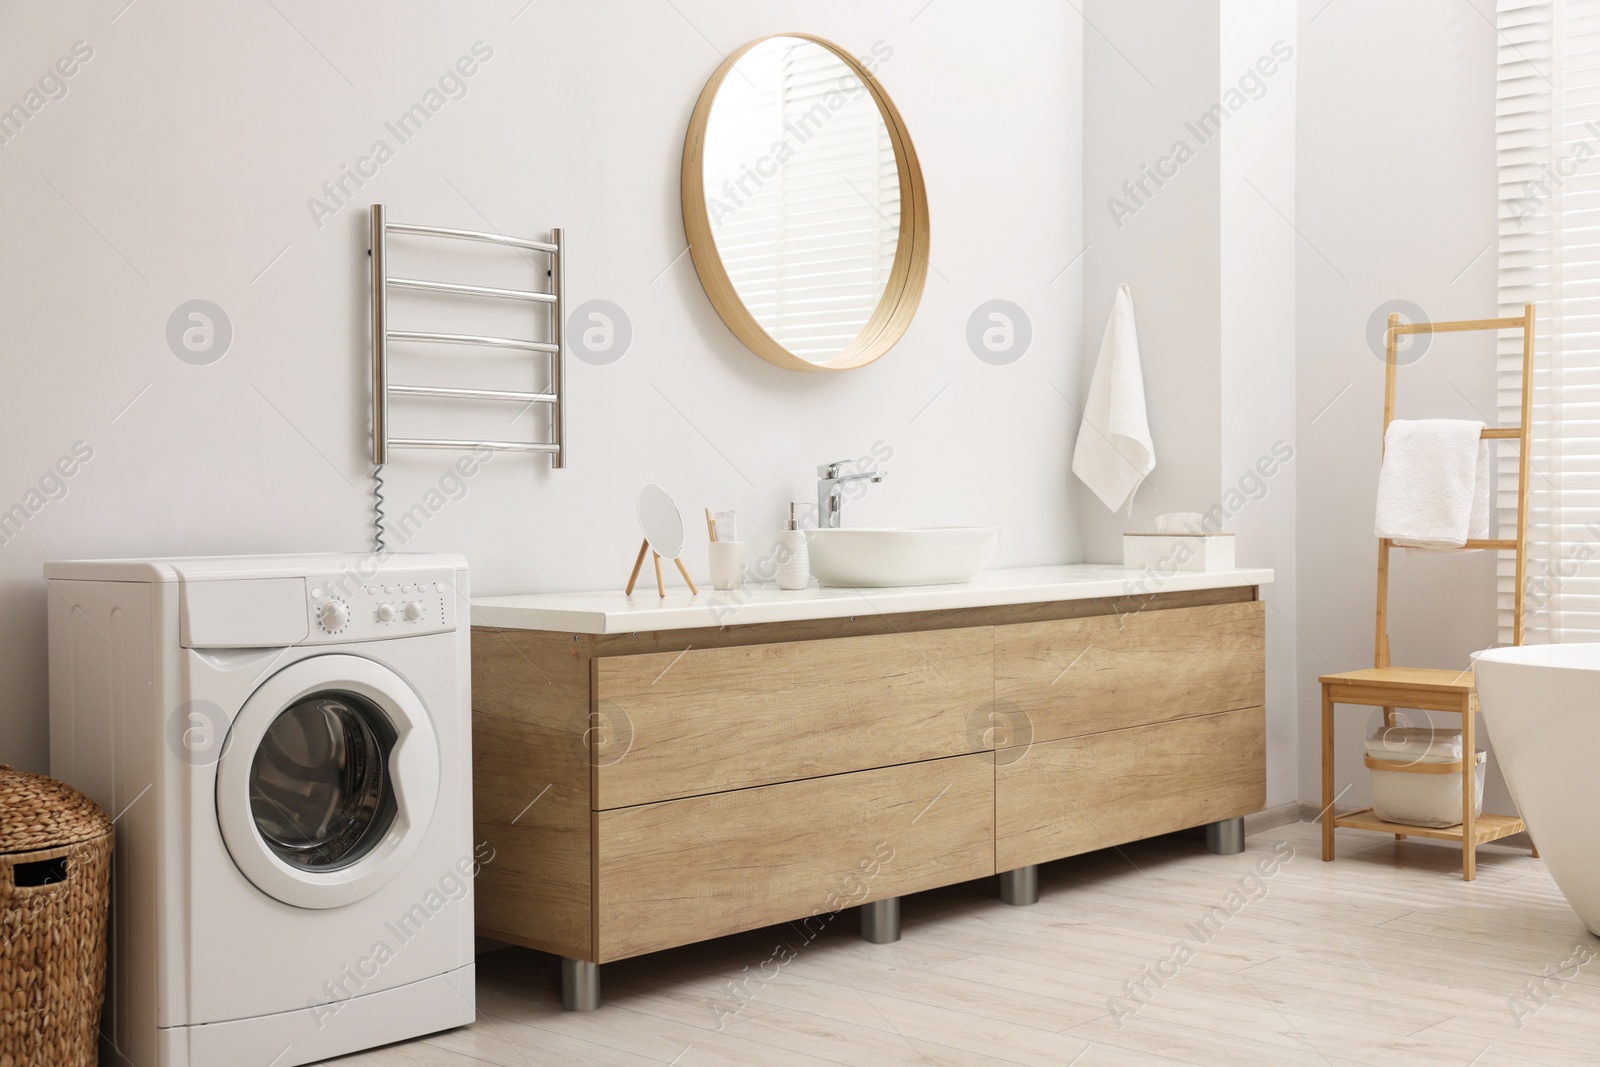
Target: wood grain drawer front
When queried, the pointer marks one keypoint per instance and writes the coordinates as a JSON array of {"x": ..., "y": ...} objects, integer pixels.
[
  {"x": 687, "y": 870},
  {"x": 710, "y": 720},
  {"x": 1066, "y": 797},
  {"x": 1109, "y": 672}
]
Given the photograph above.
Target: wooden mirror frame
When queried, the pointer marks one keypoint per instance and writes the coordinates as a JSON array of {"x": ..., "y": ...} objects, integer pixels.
[{"x": 907, "y": 276}]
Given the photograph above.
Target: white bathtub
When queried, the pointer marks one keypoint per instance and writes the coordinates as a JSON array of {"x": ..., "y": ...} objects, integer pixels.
[{"x": 1541, "y": 704}]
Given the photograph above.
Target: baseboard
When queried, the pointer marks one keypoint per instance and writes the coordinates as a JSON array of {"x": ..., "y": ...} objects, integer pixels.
[{"x": 1275, "y": 816}]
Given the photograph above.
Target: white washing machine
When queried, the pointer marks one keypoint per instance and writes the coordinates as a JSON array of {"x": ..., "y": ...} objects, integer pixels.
[{"x": 284, "y": 744}]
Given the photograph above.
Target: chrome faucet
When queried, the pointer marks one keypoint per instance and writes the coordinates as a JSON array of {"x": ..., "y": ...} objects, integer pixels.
[{"x": 830, "y": 495}]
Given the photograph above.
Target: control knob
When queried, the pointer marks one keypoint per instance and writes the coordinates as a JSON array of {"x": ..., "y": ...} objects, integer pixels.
[
  {"x": 333, "y": 616},
  {"x": 414, "y": 610},
  {"x": 386, "y": 612}
]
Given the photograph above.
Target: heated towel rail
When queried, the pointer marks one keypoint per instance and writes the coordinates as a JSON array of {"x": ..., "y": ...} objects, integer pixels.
[{"x": 383, "y": 335}]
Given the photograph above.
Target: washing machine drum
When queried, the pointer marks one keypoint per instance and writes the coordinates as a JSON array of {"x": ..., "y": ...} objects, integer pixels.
[
  {"x": 327, "y": 781},
  {"x": 319, "y": 783}
]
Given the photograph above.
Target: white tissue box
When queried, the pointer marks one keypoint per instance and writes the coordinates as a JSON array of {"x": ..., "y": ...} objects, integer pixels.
[{"x": 1166, "y": 553}]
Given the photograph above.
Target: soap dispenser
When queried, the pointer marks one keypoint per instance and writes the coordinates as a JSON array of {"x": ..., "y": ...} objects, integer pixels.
[{"x": 794, "y": 561}]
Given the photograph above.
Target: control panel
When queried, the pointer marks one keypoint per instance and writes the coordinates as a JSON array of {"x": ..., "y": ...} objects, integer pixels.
[{"x": 352, "y": 607}]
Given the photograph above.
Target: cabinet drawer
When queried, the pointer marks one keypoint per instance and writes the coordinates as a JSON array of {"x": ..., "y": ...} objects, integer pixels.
[
  {"x": 687, "y": 870},
  {"x": 1109, "y": 672},
  {"x": 1075, "y": 795},
  {"x": 715, "y": 719}
]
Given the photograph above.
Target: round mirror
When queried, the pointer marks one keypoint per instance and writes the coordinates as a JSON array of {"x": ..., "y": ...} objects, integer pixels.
[
  {"x": 804, "y": 205},
  {"x": 660, "y": 521}
]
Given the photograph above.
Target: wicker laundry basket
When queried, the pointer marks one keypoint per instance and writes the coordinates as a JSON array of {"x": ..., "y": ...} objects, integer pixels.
[{"x": 55, "y": 878}]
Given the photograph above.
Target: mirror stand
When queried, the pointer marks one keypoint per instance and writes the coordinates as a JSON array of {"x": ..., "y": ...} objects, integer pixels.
[{"x": 661, "y": 585}]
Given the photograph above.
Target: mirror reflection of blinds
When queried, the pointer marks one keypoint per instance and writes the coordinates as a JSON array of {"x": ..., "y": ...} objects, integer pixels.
[
  {"x": 810, "y": 248},
  {"x": 1547, "y": 122}
]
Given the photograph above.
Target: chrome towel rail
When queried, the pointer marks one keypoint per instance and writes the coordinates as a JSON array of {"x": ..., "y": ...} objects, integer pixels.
[
  {"x": 475, "y": 235},
  {"x": 382, "y": 335},
  {"x": 499, "y": 446},
  {"x": 472, "y": 394},
  {"x": 472, "y": 339},
  {"x": 470, "y": 290}
]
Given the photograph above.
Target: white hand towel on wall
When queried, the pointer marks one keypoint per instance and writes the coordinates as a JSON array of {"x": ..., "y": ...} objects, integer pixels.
[
  {"x": 1434, "y": 489},
  {"x": 1114, "y": 452}
]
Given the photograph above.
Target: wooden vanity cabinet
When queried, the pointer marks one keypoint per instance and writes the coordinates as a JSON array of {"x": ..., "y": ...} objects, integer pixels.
[{"x": 642, "y": 791}]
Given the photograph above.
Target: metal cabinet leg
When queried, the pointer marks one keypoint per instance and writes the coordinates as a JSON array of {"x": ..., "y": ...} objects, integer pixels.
[
  {"x": 1020, "y": 886},
  {"x": 880, "y": 921},
  {"x": 580, "y": 985},
  {"x": 1225, "y": 837}
]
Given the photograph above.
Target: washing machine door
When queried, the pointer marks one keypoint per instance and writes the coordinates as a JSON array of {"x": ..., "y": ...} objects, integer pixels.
[{"x": 327, "y": 781}]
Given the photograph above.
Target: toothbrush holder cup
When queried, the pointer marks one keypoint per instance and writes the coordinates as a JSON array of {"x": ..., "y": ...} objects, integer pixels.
[{"x": 727, "y": 564}]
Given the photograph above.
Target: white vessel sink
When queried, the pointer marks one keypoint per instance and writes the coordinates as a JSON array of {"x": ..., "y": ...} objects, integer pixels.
[{"x": 934, "y": 555}]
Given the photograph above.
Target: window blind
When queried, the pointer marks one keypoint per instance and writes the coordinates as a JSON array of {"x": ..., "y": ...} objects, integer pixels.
[
  {"x": 811, "y": 246},
  {"x": 1547, "y": 127}
]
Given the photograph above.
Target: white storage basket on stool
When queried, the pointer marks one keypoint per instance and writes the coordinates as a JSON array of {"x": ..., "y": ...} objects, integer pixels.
[{"x": 1416, "y": 776}]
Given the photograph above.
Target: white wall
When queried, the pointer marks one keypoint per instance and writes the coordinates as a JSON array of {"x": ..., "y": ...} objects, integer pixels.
[
  {"x": 1259, "y": 465},
  {"x": 1211, "y": 266},
  {"x": 179, "y": 164},
  {"x": 1148, "y": 68},
  {"x": 1396, "y": 201}
]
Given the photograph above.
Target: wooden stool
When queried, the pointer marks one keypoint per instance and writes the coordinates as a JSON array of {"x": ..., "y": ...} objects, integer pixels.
[{"x": 1429, "y": 690}]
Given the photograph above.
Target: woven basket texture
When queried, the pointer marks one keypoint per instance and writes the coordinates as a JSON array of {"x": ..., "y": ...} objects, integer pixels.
[{"x": 57, "y": 843}]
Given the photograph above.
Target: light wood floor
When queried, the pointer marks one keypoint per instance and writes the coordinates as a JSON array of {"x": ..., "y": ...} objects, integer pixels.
[{"x": 1382, "y": 957}]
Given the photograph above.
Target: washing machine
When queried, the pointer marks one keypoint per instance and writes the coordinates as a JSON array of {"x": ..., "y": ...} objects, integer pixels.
[{"x": 284, "y": 745}]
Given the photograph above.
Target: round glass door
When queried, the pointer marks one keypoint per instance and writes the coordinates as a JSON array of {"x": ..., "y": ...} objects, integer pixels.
[
  {"x": 320, "y": 793},
  {"x": 327, "y": 781}
]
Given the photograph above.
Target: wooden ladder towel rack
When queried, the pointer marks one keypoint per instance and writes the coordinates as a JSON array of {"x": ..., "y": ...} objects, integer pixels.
[{"x": 1389, "y": 687}]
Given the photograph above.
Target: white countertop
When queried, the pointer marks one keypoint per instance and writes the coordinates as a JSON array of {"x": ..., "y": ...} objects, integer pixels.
[{"x": 612, "y": 612}]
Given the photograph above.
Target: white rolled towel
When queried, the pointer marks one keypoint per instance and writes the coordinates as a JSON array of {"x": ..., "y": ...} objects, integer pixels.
[{"x": 1435, "y": 485}]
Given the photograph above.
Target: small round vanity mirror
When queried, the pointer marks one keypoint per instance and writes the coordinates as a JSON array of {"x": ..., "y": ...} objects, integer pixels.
[
  {"x": 663, "y": 538},
  {"x": 660, "y": 521},
  {"x": 804, "y": 205}
]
